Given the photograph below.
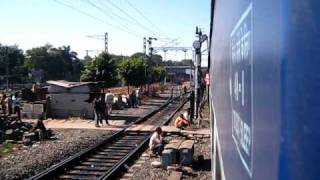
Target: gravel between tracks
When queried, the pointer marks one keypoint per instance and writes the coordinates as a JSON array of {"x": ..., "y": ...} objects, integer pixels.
[{"x": 27, "y": 161}]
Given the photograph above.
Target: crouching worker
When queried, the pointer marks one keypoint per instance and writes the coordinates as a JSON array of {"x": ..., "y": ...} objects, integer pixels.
[
  {"x": 156, "y": 143},
  {"x": 181, "y": 122}
]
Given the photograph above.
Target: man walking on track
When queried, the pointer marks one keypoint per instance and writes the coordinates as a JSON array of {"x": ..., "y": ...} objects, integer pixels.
[{"x": 100, "y": 109}]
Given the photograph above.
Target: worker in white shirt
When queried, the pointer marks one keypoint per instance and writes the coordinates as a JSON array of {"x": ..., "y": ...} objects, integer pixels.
[
  {"x": 156, "y": 144},
  {"x": 16, "y": 105}
]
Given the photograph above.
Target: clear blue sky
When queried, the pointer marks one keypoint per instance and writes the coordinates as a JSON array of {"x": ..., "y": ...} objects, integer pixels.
[{"x": 32, "y": 23}]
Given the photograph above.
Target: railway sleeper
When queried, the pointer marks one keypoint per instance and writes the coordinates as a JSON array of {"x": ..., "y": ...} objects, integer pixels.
[
  {"x": 67, "y": 176},
  {"x": 102, "y": 160},
  {"x": 107, "y": 157},
  {"x": 96, "y": 164},
  {"x": 122, "y": 141},
  {"x": 106, "y": 150},
  {"x": 91, "y": 168},
  {"x": 120, "y": 148},
  {"x": 133, "y": 136},
  {"x": 128, "y": 138},
  {"x": 85, "y": 173},
  {"x": 129, "y": 145},
  {"x": 129, "y": 141},
  {"x": 135, "y": 133},
  {"x": 112, "y": 153}
]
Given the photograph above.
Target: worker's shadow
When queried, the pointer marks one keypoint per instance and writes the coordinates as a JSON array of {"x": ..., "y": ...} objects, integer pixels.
[{"x": 202, "y": 165}]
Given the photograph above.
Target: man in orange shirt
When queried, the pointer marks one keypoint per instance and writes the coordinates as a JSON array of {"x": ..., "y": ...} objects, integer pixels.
[{"x": 181, "y": 122}]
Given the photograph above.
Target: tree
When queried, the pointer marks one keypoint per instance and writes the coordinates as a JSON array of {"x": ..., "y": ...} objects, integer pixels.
[
  {"x": 158, "y": 73},
  {"x": 118, "y": 58},
  {"x": 154, "y": 60},
  {"x": 86, "y": 60},
  {"x": 133, "y": 71},
  {"x": 102, "y": 69},
  {"x": 73, "y": 66},
  {"x": 53, "y": 63},
  {"x": 47, "y": 60},
  {"x": 14, "y": 58},
  {"x": 77, "y": 68},
  {"x": 185, "y": 62}
]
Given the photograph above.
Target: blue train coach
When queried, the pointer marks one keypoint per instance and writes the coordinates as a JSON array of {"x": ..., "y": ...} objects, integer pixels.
[{"x": 265, "y": 89}]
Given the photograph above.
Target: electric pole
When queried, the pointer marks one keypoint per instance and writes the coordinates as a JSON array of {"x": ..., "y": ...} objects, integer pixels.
[
  {"x": 197, "y": 46},
  {"x": 144, "y": 45},
  {"x": 7, "y": 68},
  {"x": 96, "y": 51},
  {"x": 150, "y": 45},
  {"x": 104, "y": 37},
  {"x": 185, "y": 54},
  {"x": 164, "y": 54},
  {"x": 106, "y": 42},
  {"x": 150, "y": 56}
]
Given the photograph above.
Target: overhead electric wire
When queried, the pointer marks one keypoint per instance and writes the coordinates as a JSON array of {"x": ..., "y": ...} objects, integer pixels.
[
  {"x": 107, "y": 8},
  {"x": 170, "y": 43},
  {"x": 142, "y": 15},
  {"x": 132, "y": 18},
  {"x": 94, "y": 17},
  {"x": 111, "y": 16}
]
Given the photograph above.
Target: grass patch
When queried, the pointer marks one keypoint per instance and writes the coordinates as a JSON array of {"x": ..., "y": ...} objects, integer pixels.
[{"x": 6, "y": 149}]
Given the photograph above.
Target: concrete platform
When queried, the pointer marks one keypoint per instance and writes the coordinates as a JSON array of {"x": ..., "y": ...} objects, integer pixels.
[
  {"x": 118, "y": 120},
  {"x": 79, "y": 124}
]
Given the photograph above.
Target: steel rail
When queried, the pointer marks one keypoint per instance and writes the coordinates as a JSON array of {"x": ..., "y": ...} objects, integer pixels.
[
  {"x": 111, "y": 174},
  {"x": 63, "y": 165}
]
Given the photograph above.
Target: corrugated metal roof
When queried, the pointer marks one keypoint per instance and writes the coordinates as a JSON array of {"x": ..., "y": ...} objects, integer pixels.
[{"x": 68, "y": 84}]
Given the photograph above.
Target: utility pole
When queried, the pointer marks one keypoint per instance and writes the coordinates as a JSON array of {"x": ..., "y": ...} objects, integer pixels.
[
  {"x": 185, "y": 54},
  {"x": 150, "y": 45},
  {"x": 164, "y": 54},
  {"x": 144, "y": 45},
  {"x": 106, "y": 42},
  {"x": 104, "y": 37},
  {"x": 150, "y": 56},
  {"x": 96, "y": 51},
  {"x": 7, "y": 68},
  {"x": 191, "y": 68},
  {"x": 197, "y": 46}
]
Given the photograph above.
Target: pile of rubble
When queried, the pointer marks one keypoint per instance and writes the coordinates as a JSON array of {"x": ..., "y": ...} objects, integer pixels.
[{"x": 13, "y": 130}]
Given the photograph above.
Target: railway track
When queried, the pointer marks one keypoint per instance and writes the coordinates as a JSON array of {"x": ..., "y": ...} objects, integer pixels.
[{"x": 107, "y": 159}]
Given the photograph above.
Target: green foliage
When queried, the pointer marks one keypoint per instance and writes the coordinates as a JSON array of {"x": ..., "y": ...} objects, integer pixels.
[
  {"x": 158, "y": 73},
  {"x": 6, "y": 149},
  {"x": 102, "y": 69},
  {"x": 56, "y": 63},
  {"x": 118, "y": 59},
  {"x": 154, "y": 70},
  {"x": 133, "y": 71},
  {"x": 155, "y": 60},
  {"x": 15, "y": 59},
  {"x": 185, "y": 62}
]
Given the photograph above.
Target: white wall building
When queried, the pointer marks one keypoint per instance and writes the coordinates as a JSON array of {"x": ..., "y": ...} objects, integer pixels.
[{"x": 68, "y": 99}]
